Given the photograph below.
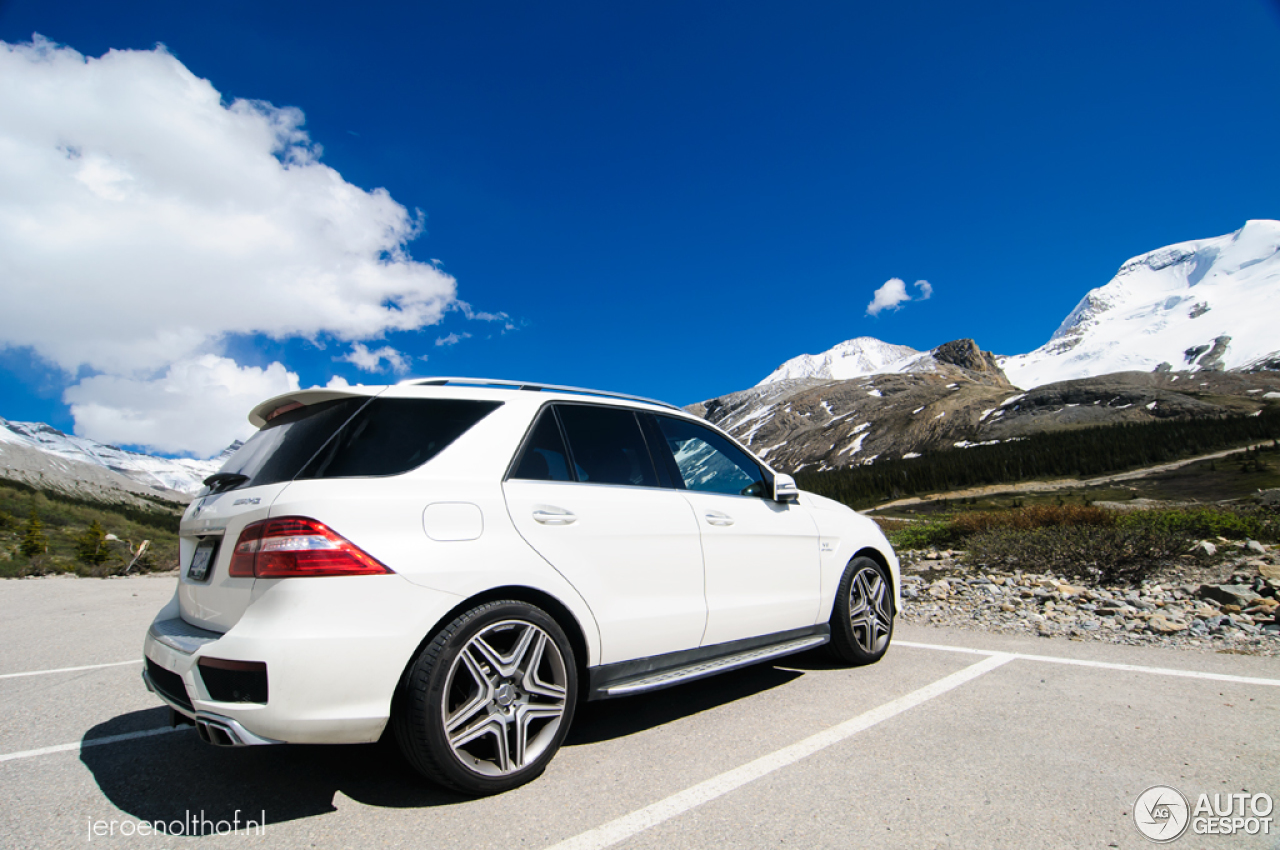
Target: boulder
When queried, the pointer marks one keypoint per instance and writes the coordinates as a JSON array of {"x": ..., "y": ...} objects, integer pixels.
[{"x": 1228, "y": 594}]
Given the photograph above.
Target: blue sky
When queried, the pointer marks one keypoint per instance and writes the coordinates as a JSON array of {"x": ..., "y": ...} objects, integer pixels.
[{"x": 671, "y": 199}]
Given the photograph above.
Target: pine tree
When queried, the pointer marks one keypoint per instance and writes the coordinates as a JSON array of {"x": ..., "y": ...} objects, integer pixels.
[
  {"x": 91, "y": 546},
  {"x": 34, "y": 541}
]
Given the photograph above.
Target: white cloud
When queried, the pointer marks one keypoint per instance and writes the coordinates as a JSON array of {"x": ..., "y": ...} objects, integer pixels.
[
  {"x": 452, "y": 339},
  {"x": 371, "y": 361},
  {"x": 143, "y": 222},
  {"x": 198, "y": 405},
  {"x": 888, "y": 297},
  {"x": 893, "y": 294}
]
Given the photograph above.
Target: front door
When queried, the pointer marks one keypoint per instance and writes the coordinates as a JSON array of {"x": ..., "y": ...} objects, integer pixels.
[{"x": 761, "y": 557}]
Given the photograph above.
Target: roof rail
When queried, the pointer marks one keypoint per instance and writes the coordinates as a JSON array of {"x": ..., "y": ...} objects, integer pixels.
[{"x": 533, "y": 387}]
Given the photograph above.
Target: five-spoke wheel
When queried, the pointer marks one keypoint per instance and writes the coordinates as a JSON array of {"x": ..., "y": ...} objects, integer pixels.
[
  {"x": 489, "y": 699},
  {"x": 862, "y": 618}
]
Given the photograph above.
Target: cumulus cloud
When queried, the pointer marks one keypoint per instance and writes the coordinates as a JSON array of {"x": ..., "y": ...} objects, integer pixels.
[
  {"x": 452, "y": 339},
  {"x": 144, "y": 221},
  {"x": 371, "y": 361},
  {"x": 893, "y": 294},
  {"x": 197, "y": 406}
]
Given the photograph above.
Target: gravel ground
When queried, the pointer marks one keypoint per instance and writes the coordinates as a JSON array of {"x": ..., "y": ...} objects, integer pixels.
[{"x": 1231, "y": 607}]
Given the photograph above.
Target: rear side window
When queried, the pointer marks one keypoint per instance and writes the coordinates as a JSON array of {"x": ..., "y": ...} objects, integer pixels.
[
  {"x": 354, "y": 437},
  {"x": 605, "y": 446},
  {"x": 544, "y": 458}
]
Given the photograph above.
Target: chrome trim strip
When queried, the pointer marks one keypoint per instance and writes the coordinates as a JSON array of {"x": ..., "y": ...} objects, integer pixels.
[
  {"x": 719, "y": 665},
  {"x": 240, "y": 736},
  {"x": 528, "y": 385}
]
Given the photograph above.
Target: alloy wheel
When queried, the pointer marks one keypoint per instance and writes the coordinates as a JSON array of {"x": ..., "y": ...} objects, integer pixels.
[{"x": 505, "y": 698}]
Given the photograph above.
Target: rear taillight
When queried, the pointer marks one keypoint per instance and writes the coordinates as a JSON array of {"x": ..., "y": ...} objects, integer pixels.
[{"x": 295, "y": 546}]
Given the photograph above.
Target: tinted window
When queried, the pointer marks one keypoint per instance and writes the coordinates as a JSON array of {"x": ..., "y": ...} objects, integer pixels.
[
  {"x": 353, "y": 437},
  {"x": 607, "y": 446},
  {"x": 286, "y": 443},
  {"x": 544, "y": 457},
  {"x": 710, "y": 463},
  {"x": 393, "y": 435}
]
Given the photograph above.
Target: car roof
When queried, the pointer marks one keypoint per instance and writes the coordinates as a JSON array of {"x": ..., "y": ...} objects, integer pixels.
[{"x": 452, "y": 387}]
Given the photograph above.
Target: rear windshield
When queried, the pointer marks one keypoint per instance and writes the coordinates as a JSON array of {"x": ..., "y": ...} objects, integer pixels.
[{"x": 354, "y": 437}]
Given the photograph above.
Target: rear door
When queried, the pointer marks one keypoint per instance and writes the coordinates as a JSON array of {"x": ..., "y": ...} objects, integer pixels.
[
  {"x": 761, "y": 557},
  {"x": 585, "y": 494}
]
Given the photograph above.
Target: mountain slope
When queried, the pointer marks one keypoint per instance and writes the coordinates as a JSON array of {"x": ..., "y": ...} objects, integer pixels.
[
  {"x": 850, "y": 359},
  {"x": 39, "y": 453},
  {"x": 1208, "y": 304}
]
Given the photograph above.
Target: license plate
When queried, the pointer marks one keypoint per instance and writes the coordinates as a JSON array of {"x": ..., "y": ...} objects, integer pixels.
[{"x": 202, "y": 559}]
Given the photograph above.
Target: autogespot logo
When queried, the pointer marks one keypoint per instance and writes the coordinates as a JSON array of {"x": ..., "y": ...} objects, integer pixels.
[{"x": 1162, "y": 813}]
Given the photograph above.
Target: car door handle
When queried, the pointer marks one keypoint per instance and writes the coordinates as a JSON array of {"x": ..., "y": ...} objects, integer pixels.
[
  {"x": 717, "y": 518},
  {"x": 554, "y": 517}
]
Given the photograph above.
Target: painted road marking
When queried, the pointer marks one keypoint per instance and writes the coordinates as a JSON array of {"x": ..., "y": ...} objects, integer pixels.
[
  {"x": 68, "y": 669},
  {"x": 92, "y": 742},
  {"x": 650, "y": 816},
  {"x": 1101, "y": 665}
]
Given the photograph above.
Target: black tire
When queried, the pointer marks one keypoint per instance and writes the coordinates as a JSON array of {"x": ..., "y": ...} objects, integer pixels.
[
  {"x": 862, "y": 618},
  {"x": 489, "y": 699}
]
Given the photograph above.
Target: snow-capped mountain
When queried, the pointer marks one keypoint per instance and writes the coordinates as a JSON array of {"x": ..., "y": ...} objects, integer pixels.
[
  {"x": 1209, "y": 304},
  {"x": 182, "y": 475},
  {"x": 852, "y": 359}
]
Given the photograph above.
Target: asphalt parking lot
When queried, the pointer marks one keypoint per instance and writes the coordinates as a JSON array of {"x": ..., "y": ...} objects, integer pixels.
[{"x": 958, "y": 739}]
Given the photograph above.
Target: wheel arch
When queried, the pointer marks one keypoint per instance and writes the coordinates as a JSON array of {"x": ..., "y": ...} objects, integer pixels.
[
  {"x": 556, "y": 609},
  {"x": 878, "y": 556}
]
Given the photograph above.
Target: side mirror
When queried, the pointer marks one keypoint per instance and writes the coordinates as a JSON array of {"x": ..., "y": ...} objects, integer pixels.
[{"x": 785, "y": 489}]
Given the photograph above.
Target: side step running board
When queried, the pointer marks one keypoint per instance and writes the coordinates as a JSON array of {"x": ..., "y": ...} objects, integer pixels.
[{"x": 666, "y": 678}]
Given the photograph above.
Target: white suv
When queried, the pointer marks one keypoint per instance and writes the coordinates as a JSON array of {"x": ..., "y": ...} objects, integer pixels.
[{"x": 460, "y": 561}]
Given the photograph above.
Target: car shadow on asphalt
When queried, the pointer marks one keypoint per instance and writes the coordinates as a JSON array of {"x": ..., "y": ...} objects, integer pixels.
[
  {"x": 617, "y": 718},
  {"x": 176, "y": 778}
]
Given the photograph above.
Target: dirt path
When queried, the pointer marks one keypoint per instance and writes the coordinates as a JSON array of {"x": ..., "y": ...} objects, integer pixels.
[{"x": 1062, "y": 483}]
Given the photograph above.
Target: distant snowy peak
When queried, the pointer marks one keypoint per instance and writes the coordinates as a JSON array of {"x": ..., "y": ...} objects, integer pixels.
[
  {"x": 1205, "y": 304},
  {"x": 183, "y": 475},
  {"x": 852, "y": 359}
]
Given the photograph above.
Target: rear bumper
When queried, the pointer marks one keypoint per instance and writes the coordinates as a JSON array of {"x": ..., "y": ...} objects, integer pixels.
[
  {"x": 334, "y": 649},
  {"x": 212, "y": 728}
]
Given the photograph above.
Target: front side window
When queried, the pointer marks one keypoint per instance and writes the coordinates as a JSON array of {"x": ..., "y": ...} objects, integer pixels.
[{"x": 708, "y": 462}]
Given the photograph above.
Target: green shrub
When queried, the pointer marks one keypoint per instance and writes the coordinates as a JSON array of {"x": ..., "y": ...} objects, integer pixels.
[
  {"x": 1207, "y": 522},
  {"x": 921, "y": 535},
  {"x": 1107, "y": 553}
]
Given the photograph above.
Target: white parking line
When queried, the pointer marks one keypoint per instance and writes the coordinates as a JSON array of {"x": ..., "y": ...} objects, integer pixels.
[
  {"x": 650, "y": 816},
  {"x": 68, "y": 669},
  {"x": 92, "y": 742},
  {"x": 1102, "y": 665}
]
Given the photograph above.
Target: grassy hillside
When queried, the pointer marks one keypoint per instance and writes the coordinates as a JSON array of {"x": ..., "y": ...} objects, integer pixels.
[
  {"x": 1078, "y": 453},
  {"x": 74, "y": 535}
]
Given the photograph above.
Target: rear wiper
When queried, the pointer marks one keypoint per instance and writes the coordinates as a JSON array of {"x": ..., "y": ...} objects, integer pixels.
[{"x": 220, "y": 481}]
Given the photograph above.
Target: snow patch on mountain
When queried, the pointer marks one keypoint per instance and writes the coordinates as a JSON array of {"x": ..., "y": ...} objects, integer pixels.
[
  {"x": 1208, "y": 304},
  {"x": 854, "y": 358},
  {"x": 182, "y": 475}
]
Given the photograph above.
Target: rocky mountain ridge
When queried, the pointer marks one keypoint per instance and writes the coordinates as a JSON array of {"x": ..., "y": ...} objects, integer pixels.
[
  {"x": 812, "y": 424},
  {"x": 41, "y": 455},
  {"x": 1185, "y": 331}
]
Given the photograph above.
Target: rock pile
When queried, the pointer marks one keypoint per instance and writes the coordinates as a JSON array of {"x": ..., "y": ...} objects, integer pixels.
[{"x": 1240, "y": 613}]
